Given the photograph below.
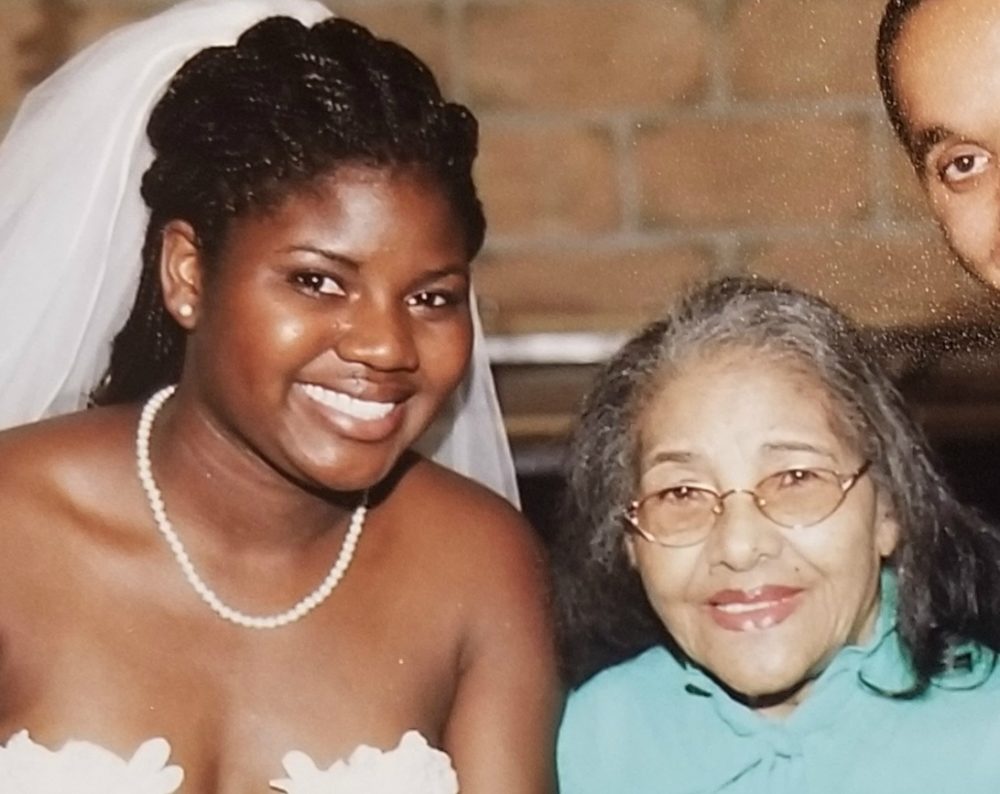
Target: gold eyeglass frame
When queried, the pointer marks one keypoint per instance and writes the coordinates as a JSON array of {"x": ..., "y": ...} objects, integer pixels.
[{"x": 847, "y": 482}]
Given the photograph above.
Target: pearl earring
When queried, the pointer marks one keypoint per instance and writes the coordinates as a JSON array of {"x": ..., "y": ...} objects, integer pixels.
[{"x": 185, "y": 310}]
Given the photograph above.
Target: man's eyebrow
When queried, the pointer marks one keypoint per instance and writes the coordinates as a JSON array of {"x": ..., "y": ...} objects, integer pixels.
[{"x": 925, "y": 140}]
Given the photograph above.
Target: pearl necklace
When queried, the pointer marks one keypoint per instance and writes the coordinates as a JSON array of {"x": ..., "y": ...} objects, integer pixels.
[{"x": 155, "y": 498}]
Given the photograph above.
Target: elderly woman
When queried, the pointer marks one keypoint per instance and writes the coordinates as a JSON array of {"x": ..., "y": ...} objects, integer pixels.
[{"x": 777, "y": 588}]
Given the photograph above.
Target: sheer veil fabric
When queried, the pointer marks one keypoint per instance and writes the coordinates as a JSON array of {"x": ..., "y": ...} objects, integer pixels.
[{"x": 72, "y": 222}]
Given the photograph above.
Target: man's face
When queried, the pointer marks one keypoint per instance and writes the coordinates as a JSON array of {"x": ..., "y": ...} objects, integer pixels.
[{"x": 947, "y": 80}]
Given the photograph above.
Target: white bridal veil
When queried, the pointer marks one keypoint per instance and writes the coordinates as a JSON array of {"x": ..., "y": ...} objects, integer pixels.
[{"x": 72, "y": 222}]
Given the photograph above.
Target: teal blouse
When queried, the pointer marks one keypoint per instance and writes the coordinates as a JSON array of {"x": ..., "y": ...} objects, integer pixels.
[{"x": 653, "y": 725}]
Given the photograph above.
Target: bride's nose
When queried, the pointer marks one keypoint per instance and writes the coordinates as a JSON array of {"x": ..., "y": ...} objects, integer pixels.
[{"x": 378, "y": 335}]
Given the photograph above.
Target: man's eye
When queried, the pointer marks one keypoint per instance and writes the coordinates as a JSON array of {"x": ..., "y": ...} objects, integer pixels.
[
  {"x": 319, "y": 284},
  {"x": 964, "y": 166}
]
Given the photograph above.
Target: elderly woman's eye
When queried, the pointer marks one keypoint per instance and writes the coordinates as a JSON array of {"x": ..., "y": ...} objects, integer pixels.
[
  {"x": 681, "y": 494},
  {"x": 794, "y": 478}
]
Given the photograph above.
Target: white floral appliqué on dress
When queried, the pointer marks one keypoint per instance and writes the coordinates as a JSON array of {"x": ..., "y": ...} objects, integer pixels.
[
  {"x": 412, "y": 767},
  {"x": 85, "y": 768},
  {"x": 78, "y": 767}
]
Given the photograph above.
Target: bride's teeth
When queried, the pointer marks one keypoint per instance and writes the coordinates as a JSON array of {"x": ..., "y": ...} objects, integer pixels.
[{"x": 359, "y": 409}]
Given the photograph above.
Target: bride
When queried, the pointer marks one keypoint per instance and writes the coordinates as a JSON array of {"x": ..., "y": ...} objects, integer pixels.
[{"x": 236, "y": 572}]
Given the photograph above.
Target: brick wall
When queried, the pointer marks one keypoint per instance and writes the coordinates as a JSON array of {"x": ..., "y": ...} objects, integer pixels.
[{"x": 633, "y": 146}]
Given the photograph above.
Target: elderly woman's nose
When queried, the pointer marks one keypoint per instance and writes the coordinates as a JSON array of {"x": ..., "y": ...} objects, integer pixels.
[{"x": 742, "y": 535}]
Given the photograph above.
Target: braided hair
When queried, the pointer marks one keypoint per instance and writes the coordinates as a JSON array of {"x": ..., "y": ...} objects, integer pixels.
[{"x": 242, "y": 127}]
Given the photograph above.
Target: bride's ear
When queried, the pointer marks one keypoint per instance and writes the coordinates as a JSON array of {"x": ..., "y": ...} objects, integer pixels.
[{"x": 181, "y": 272}]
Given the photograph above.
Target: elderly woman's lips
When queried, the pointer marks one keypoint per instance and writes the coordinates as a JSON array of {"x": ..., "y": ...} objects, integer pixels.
[{"x": 753, "y": 610}]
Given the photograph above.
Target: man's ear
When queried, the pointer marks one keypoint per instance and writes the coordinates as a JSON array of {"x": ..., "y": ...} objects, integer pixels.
[{"x": 181, "y": 273}]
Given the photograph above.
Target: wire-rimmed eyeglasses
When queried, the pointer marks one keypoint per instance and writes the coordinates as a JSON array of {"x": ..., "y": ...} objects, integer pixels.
[{"x": 683, "y": 515}]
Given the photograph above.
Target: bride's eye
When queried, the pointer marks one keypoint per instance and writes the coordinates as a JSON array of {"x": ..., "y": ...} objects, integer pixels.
[
  {"x": 318, "y": 284},
  {"x": 432, "y": 299}
]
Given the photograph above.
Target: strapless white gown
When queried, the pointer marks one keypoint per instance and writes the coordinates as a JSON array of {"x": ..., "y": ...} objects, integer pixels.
[{"x": 412, "y": 767}]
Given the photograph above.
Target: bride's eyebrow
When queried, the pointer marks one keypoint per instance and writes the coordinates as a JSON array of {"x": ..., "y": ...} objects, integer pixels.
[{"x": 326, "y": 253}]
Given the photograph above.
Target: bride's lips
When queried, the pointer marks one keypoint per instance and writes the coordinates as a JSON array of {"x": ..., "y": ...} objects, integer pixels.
[
  {"x": 753, "y": 610},
  {"x": 362, "y": 420}
]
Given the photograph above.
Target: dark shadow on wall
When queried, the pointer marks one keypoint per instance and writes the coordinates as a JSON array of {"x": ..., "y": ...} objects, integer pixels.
[{"x": 973, "y": 469}]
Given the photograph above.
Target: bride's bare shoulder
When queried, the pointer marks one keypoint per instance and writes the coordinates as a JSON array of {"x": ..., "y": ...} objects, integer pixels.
[
  {"x": 469, "y": 530},
  {"x": 60, "y": 464},
  {"x": 438, "y": 497}
]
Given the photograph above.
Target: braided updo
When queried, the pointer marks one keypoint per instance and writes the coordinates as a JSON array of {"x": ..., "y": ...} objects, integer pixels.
[{"x": 242, "y": 127}]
